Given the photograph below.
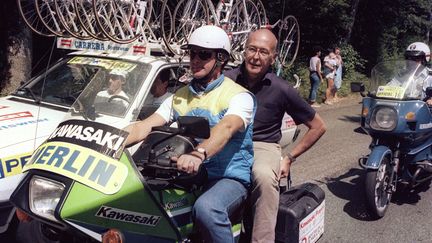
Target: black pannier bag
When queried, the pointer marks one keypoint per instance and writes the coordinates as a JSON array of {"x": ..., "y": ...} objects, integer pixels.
[{"x": 301, "y": 214}]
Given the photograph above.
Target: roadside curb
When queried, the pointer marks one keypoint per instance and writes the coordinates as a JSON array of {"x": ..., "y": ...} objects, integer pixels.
[{"x": 352, "y": 99}]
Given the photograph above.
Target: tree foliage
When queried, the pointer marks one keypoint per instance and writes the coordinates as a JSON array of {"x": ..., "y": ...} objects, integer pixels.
[{"x": 367, "y": 30}]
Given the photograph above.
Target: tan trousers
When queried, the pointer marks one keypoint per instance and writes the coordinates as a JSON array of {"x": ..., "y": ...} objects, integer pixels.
[{"x": 265, "y": 190}]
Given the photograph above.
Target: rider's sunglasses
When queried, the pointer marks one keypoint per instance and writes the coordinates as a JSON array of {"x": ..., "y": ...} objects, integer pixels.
[{"x": 204, "y": 55}]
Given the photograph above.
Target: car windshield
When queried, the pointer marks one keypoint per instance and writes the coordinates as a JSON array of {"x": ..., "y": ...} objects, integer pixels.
[
  {"x": 112, "y": 89},
  {"x": 64, "y": 81},
  {"x": 400, "y": 80}
]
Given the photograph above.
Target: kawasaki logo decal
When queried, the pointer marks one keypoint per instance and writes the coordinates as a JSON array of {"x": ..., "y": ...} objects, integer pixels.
[
  {"x": 99, "y": 137},
  {"x": 127, "y": 216}
]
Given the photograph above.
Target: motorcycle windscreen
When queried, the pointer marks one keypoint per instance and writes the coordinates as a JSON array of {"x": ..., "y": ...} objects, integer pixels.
[{"x": 399, "y": 80}]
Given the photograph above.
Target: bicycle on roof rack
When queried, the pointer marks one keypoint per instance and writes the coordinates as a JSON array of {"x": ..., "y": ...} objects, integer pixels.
[
  {"x": 166, "y": 23},
  {"x": 238, "y": 18}
]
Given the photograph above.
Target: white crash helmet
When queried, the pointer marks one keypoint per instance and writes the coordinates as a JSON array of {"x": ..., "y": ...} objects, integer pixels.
[
  {"x": 120, "y": 73},
  {"x": 418, "y": 50},
  {"x": 209, "y": 37}
]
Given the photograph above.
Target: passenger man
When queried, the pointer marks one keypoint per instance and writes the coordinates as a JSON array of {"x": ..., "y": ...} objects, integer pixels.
[{"x": 275, "y": 97}]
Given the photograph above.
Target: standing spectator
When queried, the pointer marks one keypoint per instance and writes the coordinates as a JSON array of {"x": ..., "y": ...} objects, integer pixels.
[
  {"x": 338, "y": 76},
  {"x": 275, "y": 98},
  {"x": 315, "y": 76},
  {"x": 330, "y": 66}
]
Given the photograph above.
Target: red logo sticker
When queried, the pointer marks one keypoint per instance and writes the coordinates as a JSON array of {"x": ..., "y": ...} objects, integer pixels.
[
  {"x": 66, "y": 42},
  {"x": 2, "y": 106},
  {"x": 139, "y": 49},
  {"x": 15, "y": 115}
]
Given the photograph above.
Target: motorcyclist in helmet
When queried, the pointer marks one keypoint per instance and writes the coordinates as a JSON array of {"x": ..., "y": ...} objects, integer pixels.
[
  {"x": 228, "y": 153},
  {"x": 420, "y": 53}
]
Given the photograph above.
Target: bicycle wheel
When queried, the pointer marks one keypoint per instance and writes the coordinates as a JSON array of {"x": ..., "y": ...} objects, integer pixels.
[
  {"x": 87, "y": 19},
  {"x": 187, "y": 16},
  {"x": 289, "y": 40},
  {"x": 153, "y": 29},
  {"x": 121, "y": 20},
  {"x": 28, "y": 13},
  {"x": 262, "y": 12},
  {"x": 48, "y": 16},
  {"x": 66, "y": 13},
  {"x": 243, "y": 19}
]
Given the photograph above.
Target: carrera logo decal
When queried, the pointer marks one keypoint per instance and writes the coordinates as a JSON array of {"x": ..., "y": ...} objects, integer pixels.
[
  {"x": 81, "y": 164},
  {"x": 15, "y": 115},
  {"x": 98, "y": 137},
  {"x": 2, "y": 106},
  {"x": 127, "y": 216},
  {"x": 19, "y": 124},
  {"x": 13, "y": 165}
]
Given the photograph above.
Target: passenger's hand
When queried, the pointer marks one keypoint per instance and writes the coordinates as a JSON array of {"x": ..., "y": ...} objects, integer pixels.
[
  {"x": 188, "y": 163},
  {"x": 285, "y": 165}
]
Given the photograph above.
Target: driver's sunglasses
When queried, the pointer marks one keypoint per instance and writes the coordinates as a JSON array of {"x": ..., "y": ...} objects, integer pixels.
[{"x": 204, "y": 55}]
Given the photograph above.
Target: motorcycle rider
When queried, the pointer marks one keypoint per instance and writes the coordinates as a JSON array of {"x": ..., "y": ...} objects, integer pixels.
[
  {"x": 420, "y": 53},
  {"x": 228, "y": 153}
]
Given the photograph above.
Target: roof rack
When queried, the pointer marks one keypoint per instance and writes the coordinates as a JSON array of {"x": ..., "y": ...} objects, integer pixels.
[{"x": 136, "y": 48}]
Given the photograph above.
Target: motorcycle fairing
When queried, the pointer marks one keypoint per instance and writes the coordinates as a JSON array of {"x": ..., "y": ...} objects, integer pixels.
[
  {"x": 131, "y": 209},
  {"x": 413, "y": 130},
  {"x": 81, "y": 164},
  {"x": 376, "y": 156}
]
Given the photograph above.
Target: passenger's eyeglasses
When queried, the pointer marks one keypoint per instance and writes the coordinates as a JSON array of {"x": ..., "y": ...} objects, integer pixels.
[
  {"x": 204, "y": 55},
  {"x": 251, "y": 50}
]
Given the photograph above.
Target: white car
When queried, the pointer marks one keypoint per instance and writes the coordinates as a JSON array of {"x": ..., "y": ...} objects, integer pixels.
[{"x": 30, "y": 114}]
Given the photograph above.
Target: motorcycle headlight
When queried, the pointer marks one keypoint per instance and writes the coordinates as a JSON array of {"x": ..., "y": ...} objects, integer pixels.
[
  {"x": 44, "y": 196},
  {"x": 384, "y": 118}
]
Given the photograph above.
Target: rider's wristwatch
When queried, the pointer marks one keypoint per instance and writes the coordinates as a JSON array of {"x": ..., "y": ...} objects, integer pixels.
[{"x": 202, "y": 151}]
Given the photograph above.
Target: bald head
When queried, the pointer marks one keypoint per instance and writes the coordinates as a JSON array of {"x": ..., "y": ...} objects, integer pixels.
[{"x": 264, "y": 35}]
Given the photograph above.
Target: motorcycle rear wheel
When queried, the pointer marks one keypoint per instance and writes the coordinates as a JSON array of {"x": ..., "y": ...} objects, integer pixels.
[{"x": 378, "y": 192}]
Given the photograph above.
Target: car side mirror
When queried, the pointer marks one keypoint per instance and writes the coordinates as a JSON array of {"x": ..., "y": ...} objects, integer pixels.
[
  {"x": 358, "y": 87},
  {"x": 196, "y": 127}
]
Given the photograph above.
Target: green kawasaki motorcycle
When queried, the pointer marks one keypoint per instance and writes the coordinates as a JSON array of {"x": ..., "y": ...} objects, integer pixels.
[{"x": 82, "y": 185}]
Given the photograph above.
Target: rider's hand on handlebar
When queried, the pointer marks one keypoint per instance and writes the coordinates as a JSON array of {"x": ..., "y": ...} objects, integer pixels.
[
  {"x": 188, "y": 163},
  {"x": 429, "y": 102}
]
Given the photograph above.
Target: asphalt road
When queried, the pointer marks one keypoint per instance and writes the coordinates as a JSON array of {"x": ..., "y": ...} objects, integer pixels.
[{"x": 333, "y": 164}]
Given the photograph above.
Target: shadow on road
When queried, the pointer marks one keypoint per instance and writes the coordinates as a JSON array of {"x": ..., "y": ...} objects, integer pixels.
[
  {"x": 410, "y": 196},
  {"x": 350, "y": 187},
  {"x": 360, "y": 130},
  {"x": 355, "y": 119}
]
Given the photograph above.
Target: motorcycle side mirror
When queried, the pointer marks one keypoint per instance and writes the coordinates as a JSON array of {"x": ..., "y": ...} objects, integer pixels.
[
  {"x": 195, "y": 127},
  {"x": 429, "y": 91},
  {"x": 358, "y": 87}
]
